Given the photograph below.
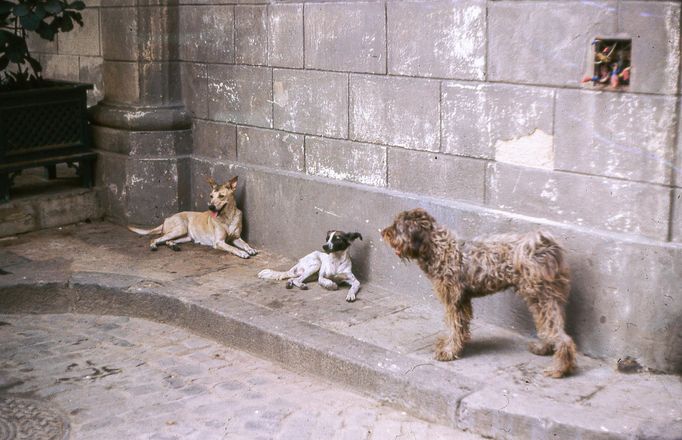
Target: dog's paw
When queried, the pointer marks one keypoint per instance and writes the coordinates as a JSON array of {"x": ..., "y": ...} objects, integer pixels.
[
  {"x": 445, "y": 355},
  {"x": 555, "y": 373},
  {"x": 252, "y": 251},
  {"x": 303, "y": 287},
  {"x": 153, "y": 248},
  {"x": 243, "y": 255},
  {"x": 175, "y": 247},
  {"x": 331, "y": 286},
  {"x": 290, "y": 284},
  {"x": 350, "y": 298}
]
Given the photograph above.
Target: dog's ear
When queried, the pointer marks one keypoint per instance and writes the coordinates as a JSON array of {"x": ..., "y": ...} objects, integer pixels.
[
  {"x": 353, "y": 235},
  {"x": 211, "y": 181},
  {"x": 232, "y": 184},
  {"x": 418, "y": 241}
]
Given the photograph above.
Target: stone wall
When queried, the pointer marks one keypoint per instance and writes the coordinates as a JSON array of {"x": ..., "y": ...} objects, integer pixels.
[{"x": 338, "y": 114}]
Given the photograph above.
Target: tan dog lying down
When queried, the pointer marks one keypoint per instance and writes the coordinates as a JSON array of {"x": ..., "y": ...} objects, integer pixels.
[{"x": 220, "y": 225}]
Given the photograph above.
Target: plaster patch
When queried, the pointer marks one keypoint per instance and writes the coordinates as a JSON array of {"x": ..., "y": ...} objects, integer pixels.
[{"x": 535, "y": 150}]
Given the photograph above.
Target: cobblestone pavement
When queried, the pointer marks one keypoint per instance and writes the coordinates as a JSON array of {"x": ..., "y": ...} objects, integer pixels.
[{"x": 125, "y": 378}]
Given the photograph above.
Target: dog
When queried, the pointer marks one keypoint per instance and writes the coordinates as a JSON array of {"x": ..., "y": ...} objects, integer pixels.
[
  {"x": 220, "y": 225},
  {"x": 533, "y": 264},
  {"x": 333, "y": 266}
]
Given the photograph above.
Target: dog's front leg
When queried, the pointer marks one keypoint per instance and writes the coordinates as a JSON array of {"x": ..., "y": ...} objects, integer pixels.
[
  {"x": 458, "y": 314},
  {"x": 354, "y": 287},
  {"x": 231, "y": 249},
  {"x": 241, "y": 244}
]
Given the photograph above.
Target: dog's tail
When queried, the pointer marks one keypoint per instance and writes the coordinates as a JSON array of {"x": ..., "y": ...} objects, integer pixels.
[
  {"x": 156, "y": 230},
  {"x": 269, "y": 274}
]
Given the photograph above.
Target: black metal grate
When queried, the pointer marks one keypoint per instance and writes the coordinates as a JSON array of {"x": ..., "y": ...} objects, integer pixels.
[{"x": 32, "y": 128}]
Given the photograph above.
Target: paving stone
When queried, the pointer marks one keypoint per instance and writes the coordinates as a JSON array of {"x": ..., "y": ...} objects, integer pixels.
[
  {"x": 552, "y": 46},
  {"x": 345, "y": 160},
  {"x": 285, "y": 33},
  {"x": 395, "y": 111},
  {"x": 584, "y": 200},
  {"x": 436, "y": 174},
  {"x": 240, "y": 94},
  {"x": 247, "y": 398},
  {"x": 311, "y": 102},
  {"x": 270, "y": 147},
  {"x": 655, "y": 30},
  {"x": 346, "y": 36},
  {"x": 206, "y": 33},
  {"x": 497, "y": 121},
  {"x": 437, "y": 38},
  {"x": 615, "y": 134},
  {"x": 251, "y": 35}
]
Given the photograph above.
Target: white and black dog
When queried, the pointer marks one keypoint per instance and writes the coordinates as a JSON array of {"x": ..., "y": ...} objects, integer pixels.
[{"x": 334, "y": 266}]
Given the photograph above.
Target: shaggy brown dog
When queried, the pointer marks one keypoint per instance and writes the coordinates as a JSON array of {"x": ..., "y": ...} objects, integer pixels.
[{"x": 531, "y": 263}]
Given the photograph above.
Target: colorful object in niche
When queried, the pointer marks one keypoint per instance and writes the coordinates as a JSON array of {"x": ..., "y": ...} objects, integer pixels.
[{"x": 611, "y": 63}]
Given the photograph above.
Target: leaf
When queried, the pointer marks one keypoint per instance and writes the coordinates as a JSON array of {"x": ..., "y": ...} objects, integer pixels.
[
  {"x": 78, "y": 5},
  {"x": 66, "y": 24},
  {"x": 35, "y": 64},
  {"x": 40, "y": 11},
  {"x": 46, "y": 32},
  {"x": 77, "y": 17},
  {"x": 4, "y": 62},
  {"x": 20, "y": 10},
  {"x": 54, "y": 7},
  {"x": 30, "y": 22},
  {"x": 6, "y": 7}
]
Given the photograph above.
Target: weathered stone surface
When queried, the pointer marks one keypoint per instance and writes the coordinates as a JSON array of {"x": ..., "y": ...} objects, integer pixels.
[
  {"x": 677, "y": 215},
  {"x": 271, "y": 148},
  {"x": 119, "y": 27},
  {"x": 655, "y": 31},
  {"x": 311, "y": 102},
  {"x": 151, "y": 190},
  {"x": 435, "y": 174},
  {"x": 37, "y": 45},
  {"x": 395, "y": 111},
  {"x": 240, "y": 94},
  {"x": 206, "y": 33},
  {"x": 194, "y": 81},
  {"x": 615, "y": 134},
  {"x": 345, "y": 160},
  {"x": 582, "y": 200},
  {"x": 251, "y": 35},
  {"x": 285, "y": 35},
  {"x": 142, "y": 144},
  {"x": 82, "y": 40},
  {"x": 545, "y": 42},
  {"x": 495, "y": 121},
  {"x": 110, "y": 174},
  {"x": 90, "y": 71},
  {"x": 214, "y": 139},
  {"x": 346, "y": 36},
  {"x": 60, "y": 67},
  {"x": 123, "y": 81},
  {"x": 437, "y": 38}
]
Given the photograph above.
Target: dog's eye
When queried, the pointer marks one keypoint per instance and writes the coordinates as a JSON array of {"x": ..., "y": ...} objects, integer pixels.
[{"x": 222, "y": 196}]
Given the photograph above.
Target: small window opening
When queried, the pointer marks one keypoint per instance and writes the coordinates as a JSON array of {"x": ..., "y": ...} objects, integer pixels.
[{"x": 611, "y": 62}]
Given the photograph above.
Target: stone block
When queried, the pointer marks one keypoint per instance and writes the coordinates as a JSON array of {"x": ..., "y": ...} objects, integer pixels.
[
  {"x": 613, "y": 205},
  {"x": 507, "y": 122},
  {"x": 151, "y": 190},
  {"x": 37, "y": 45},
  {"x": 60, "y": 67},
  {"x": 91, "y": 72},
  {"x": 251, "y": 34},
  {"x": 142, "y": 144},
  {"x": 120, "y": 28},
  {"x": 437, "y": 38},
  {"x": 655, "y": 31},
  {"x": 160, "y": 83},
  {"x": 122, "y": 79},
  {"x": 615, "y": 134},
  {"x": 110, "y": 175},
  {"x": 194, "y": 88},
  {"x": 345, "y": 160},
  {"x": 82, "y": 40},
  {"x": 437, "y": 175},
  {"x": 240, "y": 94},
  {"x": 17, "y": 217},
  {"x": 552, "y": 44},
  {"x": 677, "y": 215},
  {"x": 215, "y": 140},
  {"x": 206, "y": 33},
  {"x": 395, "y": 111},
  {"x": 345, "y": 36},
  {"x": 311, "y": 102},
  {"x": 285, "y": 35},
  {"x": 270, "y": 148}
]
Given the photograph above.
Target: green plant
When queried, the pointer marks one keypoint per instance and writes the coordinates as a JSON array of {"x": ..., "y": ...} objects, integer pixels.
[{"x": 18, "y": 18}]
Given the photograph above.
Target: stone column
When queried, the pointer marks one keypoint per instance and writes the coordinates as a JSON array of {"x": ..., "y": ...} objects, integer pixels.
[{"x": 141, "y": 129}]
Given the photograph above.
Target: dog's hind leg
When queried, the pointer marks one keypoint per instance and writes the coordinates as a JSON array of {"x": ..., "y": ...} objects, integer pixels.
[
  {"x": 173, "y": 244},
  {"x": 299, "y": 281},
  {"x": 553, "y": 337},
  {"x": 170, "y": 235}
]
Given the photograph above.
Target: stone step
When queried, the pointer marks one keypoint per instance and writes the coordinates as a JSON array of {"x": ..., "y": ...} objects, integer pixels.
[{"x": 377, "y": 345}]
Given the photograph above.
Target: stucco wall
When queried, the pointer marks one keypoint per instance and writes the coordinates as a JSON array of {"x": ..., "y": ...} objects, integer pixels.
[{"x": 338, "y": 114}]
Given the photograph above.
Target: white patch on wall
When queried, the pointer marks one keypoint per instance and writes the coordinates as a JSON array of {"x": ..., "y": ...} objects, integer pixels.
[{"x": 535, "y": 150}]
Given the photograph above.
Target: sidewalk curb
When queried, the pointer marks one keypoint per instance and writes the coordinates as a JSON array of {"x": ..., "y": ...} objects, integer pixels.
[{"x": 424, "y": 390}]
